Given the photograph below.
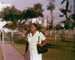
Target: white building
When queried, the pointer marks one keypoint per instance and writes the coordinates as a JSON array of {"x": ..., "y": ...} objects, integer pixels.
[
  {"x": 4, "y": 5},
  {"x": 40, "y": 21}
]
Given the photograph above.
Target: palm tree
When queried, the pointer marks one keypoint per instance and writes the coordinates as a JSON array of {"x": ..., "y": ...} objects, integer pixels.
[{"x": 51, "y": 7}]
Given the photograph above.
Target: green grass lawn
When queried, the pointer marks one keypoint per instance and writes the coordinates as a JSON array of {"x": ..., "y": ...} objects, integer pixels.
[
  {"x": 1, "y": 55},
  {"x": 57, "y": 50}
]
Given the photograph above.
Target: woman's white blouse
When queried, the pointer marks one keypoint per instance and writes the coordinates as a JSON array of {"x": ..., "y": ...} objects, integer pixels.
[{"x": 33, "y": 41}]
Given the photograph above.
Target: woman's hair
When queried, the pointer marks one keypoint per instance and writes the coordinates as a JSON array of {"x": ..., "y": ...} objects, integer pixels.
[
  {"x": 34, "y": 24},
  {"x": 28, "y": 31}
]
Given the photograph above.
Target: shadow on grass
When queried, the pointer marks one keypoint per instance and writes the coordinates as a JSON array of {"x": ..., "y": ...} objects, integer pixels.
[
  {"x": 19, "y": 40},
  {"x": 61, "y": 47},
  {"x": 68, "y": 41}
]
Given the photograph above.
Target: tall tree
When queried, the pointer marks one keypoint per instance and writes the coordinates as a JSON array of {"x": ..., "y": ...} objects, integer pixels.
[
  {"x": 35, "y": 11},
  {"x": 10, "y": 26},
  {"x": 51, "y": 7},
  {"x": 67, "y": 24},
  {"x": 19, "y": 18},
  {"x": 66, "y": 11},
  {"x": 13, "y": 15},
  {"x": 39, "y": 9},
  {"x": 10, "y": 14}
]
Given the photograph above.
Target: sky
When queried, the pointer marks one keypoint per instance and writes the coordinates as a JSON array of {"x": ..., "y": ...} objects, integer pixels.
[{"x": 24, "y": 4}]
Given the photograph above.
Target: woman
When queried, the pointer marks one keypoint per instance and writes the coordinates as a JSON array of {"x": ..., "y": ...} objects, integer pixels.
[{"x": 32, "y": 42}]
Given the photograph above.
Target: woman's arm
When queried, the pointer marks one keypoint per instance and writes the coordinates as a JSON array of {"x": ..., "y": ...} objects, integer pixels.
[
  {"x": 26, "y": 47},
  {"x": 26, "y": 51},
  {"x": 43, "y": 43}
]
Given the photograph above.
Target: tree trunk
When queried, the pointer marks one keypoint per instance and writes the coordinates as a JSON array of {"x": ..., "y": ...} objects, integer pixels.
[
  {"x": 66, "y": 14},
  {"x": 52, "y": 19}
]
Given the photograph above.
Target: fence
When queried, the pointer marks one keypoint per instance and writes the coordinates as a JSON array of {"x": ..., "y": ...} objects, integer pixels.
[
  {"x": 52, "y": 33},
  {"x": 60, "y": 33}
]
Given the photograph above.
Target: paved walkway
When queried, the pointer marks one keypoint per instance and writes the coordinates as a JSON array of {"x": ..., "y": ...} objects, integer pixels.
[{"x": 10, "y": 53}]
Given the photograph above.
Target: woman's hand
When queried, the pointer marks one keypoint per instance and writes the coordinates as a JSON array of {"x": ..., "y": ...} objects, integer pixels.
[
  {"x": 39, "y": 45},
  {"x": 44, "y": 43}
]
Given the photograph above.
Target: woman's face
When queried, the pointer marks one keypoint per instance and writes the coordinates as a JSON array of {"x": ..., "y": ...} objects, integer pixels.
[{"x": 33, "y": 28}]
